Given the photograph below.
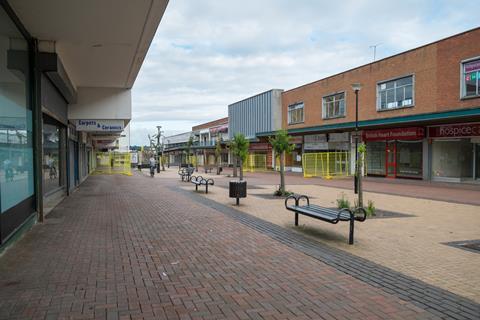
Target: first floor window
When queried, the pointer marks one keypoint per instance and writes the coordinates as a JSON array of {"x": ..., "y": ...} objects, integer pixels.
[
  {"x": 295, "y": 113},
  {"x": 470, "y": 75},
  {"x": 334, "y": 106},
  {"x": 395, "y": 94}
]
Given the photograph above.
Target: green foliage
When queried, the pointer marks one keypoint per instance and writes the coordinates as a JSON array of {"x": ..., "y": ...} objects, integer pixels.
[
  {"x": 281, "y": 143},
  {"x": 371, "y": 210},
  {"x": 189, "y": 145},
  {"x": 343, "y": 202},
  {"x": 362, "y": 148},
  {"x": 239, "y": 146},
  {"x": 280, "y": 193},
  {"x": 218, "y": 147}
]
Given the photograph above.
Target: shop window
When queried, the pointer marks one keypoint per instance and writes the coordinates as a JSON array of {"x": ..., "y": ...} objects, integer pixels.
[
  {"x": 53, "y": 158},
  {"x": 452, "y": 159},
  {"x": 295, "y": 113},
  {"x": 16, "y": 148},
  {"x": 395, "y": 94},
  {"x": 376, "y": 158},
  {"x": 470, "y": 81},
  {"x": 409, "y": 159},
  {"x": 333, "y": 106}
]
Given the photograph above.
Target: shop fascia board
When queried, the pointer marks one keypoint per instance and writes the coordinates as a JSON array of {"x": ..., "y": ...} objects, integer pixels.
[{"x": 413, "y": 119}]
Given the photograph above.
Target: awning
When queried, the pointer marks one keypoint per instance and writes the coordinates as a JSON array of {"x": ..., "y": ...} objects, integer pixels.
[{"x": 222, "y": 128}]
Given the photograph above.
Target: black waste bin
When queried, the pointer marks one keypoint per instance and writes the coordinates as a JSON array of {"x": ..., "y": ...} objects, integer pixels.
[{"x": 238, "y": 189}]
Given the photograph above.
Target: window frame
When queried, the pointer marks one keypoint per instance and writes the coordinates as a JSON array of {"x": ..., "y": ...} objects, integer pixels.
[
  {"x": 296, "y": 104},
  {"x": 324, "y": 109},
  {"x": 462, "y": 82},
  {"x": 377, "y": 89}
]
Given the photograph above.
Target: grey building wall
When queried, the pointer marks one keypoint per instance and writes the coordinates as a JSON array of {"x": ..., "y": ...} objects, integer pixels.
[
  {"x": 260, "y": 113},
  {"x": 53, "y": 102}
]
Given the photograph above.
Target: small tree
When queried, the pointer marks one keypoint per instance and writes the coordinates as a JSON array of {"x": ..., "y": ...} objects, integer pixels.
[
  {"x": 239, "y": 146},
  {"x": 218, "y": 153},
  {"x": 189, "y": 148},
  {"x": 362, "y": 149},
  {"x": 281, "y": 145}
]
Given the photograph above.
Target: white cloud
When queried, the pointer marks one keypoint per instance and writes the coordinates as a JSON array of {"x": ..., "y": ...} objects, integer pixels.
[{"x": 208, "y": 54}]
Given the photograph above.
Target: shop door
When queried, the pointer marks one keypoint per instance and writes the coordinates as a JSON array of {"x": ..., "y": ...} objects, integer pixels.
[{"x": 391, "y": 159}]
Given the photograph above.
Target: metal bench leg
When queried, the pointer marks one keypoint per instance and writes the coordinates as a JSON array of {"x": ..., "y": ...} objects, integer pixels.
[
  {"x": 350, "y": 237},
  {"x": 296, "y": 218},
  {"x": 206, "y": 188},
  {"x": 196, "y": 187}
]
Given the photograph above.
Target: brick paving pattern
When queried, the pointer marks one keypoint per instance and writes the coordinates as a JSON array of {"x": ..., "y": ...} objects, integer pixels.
[
  {"x": 413, "y": 245},
  {"x": 133, "y": 248}
]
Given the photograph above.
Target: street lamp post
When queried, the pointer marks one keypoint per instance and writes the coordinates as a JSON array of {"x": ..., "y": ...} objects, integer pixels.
[
  {"x": 356, "y": 88},
  {"x": 158, "y": 148}
]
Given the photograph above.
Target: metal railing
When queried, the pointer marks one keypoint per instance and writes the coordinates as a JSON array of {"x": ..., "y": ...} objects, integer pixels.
[
  {"x": 326, "y": 164},
  {"x": 113, "y": 163},
  {"x": 255, "y": 162}
]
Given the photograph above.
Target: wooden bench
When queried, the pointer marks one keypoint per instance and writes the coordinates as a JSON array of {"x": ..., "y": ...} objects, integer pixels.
[
  {"x": 325, "y": 214},
  {"x": 199, "y": 181},
  {"x": 186, "y": 173}
]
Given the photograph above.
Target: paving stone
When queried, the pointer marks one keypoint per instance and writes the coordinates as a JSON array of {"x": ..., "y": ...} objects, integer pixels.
[{"x": 134, "y": 248}]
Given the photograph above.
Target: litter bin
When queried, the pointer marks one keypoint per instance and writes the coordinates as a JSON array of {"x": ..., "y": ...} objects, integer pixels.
[{"x": 238, "y": 189}]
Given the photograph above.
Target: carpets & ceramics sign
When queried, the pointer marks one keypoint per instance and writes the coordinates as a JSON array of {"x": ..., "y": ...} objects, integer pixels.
[{"x": 100, "y": 125}]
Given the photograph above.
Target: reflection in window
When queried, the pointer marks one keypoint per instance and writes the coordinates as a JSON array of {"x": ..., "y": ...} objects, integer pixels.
[
  {"x": 334, "y": 106},
  {"x": 470, "y": 81},
  {"x": 16, "y": 153},
  {"x": 395, "y": 94},
  {"x": 51, "y": 158}
]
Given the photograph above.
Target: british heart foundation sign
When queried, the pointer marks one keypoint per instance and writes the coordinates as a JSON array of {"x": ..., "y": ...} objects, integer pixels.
[{"x": 412, "y": 133}]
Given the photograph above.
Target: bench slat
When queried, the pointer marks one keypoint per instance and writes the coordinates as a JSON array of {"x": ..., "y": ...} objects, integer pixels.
[{"x": 344, "y": 216}]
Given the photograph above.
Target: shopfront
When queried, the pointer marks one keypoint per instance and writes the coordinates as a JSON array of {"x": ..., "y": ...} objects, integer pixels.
[
  {"x": 261, "y": 153},
  {"x": 17, "y": 199},
  {"x": 455, "y": 152},
  {"x": 395, "y": 152},
  {"x": 294, "y": 159}
]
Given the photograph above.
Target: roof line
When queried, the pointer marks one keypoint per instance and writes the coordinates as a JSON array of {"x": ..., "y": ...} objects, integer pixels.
[
  {"x": 386, "y": 58},
  {"x": 256, "y": 95}
]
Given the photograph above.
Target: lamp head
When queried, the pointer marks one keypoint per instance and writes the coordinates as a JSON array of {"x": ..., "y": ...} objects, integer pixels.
[{"x": 356, "y": 86}]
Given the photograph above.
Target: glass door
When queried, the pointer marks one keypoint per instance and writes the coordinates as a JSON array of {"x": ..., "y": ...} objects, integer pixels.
[{"x": 391, "y": 159}]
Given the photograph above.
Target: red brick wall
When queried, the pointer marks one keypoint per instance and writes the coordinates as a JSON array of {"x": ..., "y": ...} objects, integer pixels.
[
  {"x": 214, "y": 123},
  {"x": 436, "y": 68}
]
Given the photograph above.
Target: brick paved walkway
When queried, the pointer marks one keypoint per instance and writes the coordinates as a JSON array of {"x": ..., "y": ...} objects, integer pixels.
[{"x": 133, "y": 248}]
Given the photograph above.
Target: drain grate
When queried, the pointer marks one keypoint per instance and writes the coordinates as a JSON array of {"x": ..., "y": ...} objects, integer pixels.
[{"x": 469, "y": 245}]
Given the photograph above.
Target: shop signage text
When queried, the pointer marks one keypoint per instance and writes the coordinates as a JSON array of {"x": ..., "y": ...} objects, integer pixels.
[
  {"x": 472, "y": 66},
  {"x": 339, "y": 137},
  {"x": 413, "y": 133},
  {"x": 100, "y": 125},
  {"x": 259, "y": 146},
  {"x": 455, "y": 130},
  {"x": 315, "y": 142}
]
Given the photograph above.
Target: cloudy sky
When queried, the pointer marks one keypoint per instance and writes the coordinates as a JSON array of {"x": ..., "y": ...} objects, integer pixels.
[{"x": 207, "y": 54}]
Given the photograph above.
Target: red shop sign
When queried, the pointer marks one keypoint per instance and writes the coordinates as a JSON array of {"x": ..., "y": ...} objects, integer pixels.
[
  {"x": 455, "y": 130},
  {"x": 412, "y": 133},
  {"x": 259, "y": 146}
]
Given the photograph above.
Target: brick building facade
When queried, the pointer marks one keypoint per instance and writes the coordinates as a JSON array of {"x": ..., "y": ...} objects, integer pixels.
[{"x": 419, "y": 112}]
